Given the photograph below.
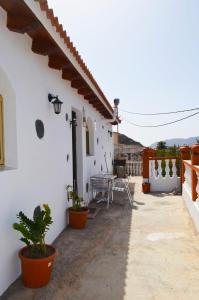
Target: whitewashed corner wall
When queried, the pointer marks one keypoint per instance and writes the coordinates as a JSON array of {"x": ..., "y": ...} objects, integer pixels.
[
  {"x": 39, "y": 171},
  {"x": 193, "y": 206}
]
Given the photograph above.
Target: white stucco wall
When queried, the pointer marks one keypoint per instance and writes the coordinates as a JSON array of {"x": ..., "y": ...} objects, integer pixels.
[
  {"x": 38, "y": 169},
  {"x": 193, "y": 206}
]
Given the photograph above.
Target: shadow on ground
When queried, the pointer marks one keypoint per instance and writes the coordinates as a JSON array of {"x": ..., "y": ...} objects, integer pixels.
[{"x": 88, "y": 259}]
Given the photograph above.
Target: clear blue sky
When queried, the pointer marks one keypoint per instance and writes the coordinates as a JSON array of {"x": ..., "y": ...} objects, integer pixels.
[{"x": 145, "y": 52}]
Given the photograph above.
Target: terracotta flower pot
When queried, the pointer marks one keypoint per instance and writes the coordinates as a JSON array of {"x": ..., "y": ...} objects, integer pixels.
[
  {"x": 77, "y": 219},
  {"x": 146, "y": 188},
  {"x": 36, "y": 272}
]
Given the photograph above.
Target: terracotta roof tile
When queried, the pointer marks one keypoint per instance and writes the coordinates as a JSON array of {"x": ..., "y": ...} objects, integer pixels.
[{"x": 59, "y": 28}]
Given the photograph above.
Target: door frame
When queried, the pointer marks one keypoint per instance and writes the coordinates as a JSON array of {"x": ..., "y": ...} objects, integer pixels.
[{"x": 77, "y": 160}]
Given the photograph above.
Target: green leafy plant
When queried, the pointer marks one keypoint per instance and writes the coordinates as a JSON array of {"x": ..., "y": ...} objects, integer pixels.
[
  {"x": 34, "y": 231},
  {"x": 77, "y": 201}
]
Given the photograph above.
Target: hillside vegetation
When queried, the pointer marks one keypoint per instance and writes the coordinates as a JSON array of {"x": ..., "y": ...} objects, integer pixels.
[{"x": 123, "y": 139}]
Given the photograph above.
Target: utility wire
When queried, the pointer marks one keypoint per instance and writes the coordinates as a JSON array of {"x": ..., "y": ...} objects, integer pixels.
[
  {"x": 164, "y": 124},
  {"x": 159, "y": 113}
]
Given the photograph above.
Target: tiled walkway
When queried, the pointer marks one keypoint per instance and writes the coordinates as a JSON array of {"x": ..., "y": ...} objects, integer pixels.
[{"x": 150, "y": 252}]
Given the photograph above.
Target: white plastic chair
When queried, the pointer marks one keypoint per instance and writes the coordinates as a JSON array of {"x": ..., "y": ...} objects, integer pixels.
[{"x": 122, "y": 185}]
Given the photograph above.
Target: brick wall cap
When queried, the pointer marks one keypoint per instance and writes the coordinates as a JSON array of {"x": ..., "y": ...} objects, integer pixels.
[
  {"x": 185, "y": 149},
  {"x": 195, "y": 148}
]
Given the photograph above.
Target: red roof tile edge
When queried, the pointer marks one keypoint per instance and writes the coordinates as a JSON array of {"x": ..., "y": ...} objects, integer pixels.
[{"x": 59, "y": 28}]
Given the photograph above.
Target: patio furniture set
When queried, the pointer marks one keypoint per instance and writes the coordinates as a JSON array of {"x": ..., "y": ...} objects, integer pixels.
[{"x": 104, "y": 184}]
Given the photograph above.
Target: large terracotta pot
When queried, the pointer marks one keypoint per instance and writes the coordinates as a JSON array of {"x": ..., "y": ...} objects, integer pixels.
[
  {"x": 146, "y": 188},
  {"x": 77, "y": 219},
  {"x": 36, "y": 272}
]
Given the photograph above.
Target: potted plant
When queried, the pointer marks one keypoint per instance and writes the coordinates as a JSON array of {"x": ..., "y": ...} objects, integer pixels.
[
  {"x": 146, "y": 187},
  {"x": 78, "y": 213},
  {"x": 37, "y": 257}
]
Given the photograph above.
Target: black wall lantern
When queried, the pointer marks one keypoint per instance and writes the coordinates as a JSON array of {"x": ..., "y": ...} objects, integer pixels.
[
  {"x": 116, "y": 103},
  {"x": 56, "y": 103}
]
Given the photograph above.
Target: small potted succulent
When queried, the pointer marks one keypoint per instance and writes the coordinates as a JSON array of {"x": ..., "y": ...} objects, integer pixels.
[
  {"x": 146, "y": 187},
  {"x": 37, "y": 257},
  {"x": 78, "y": 213}
]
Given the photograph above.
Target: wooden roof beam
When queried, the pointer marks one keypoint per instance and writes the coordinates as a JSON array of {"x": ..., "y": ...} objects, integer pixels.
[
  {"x": 58, "y": 62},
  {"x": 22, "y": 24},
  {"x": 85, "y": 91},
  {"x": 103, "y": 111},
  {"x": 70, "y": 74},
  {"x": 78, "y": 83},
  {"x": 95, "y": 106},
  {"x": 91, "y": 97},
  {"x": 43, "y": 47}
]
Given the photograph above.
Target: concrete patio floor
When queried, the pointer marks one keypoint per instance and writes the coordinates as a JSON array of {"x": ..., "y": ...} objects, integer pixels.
[{"x": 150, "y": 252}]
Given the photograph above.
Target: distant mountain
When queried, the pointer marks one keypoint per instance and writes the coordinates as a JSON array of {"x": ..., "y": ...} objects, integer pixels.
[
  {"x": 178, "y": 142},
  {"x": 123, "y": 139}
]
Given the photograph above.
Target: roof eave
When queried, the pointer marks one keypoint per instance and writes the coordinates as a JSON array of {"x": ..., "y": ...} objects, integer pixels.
[{"x": 48, "y": 38}]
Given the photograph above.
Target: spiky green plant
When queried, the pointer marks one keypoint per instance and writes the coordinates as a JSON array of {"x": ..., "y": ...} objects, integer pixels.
[
  {"x": 34, "y": 231},
  {"x": 77, "y": 205}
]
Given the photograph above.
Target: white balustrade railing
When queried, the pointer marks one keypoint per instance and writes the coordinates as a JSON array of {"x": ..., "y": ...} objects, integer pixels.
[
  {"x": 174, "y": 169},
  {"x": 134, "y": 168},
  {"x": 159, "y": 163},
  {"x": 167, "y": 169},
  {"x": 152, "y": 170},
  {"x": 163, "y": 175}
]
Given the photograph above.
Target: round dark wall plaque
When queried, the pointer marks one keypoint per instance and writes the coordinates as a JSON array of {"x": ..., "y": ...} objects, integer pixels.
[{"x": 39, "y": 128}]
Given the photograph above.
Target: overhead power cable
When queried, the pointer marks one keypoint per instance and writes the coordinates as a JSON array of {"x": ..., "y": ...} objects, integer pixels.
[
  {"x": 163, "y": 124},
  {"x": 159, "y": 113}
]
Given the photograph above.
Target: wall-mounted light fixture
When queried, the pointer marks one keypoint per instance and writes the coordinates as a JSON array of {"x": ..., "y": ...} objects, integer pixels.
[
  {"x": 116, "y": 103},
  {"x": 84, "y": 117},
  {"x": 56, "y": 103}
]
